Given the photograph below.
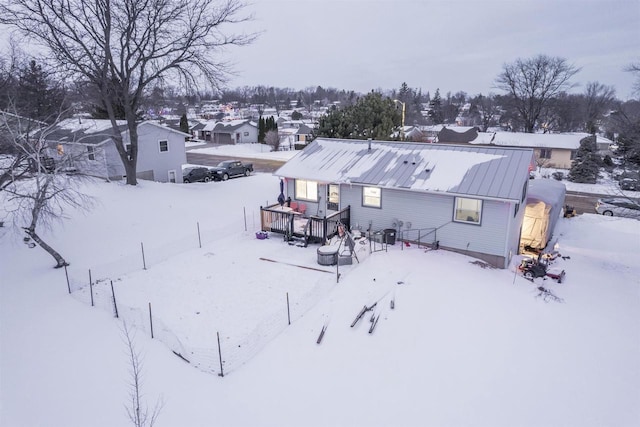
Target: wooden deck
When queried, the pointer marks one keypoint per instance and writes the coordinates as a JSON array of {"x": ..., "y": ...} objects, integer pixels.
[{"x": 313, "y": 229}]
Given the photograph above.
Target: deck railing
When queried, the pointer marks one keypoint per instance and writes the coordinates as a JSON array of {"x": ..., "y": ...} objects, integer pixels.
[{"x": 318, "y": 230}]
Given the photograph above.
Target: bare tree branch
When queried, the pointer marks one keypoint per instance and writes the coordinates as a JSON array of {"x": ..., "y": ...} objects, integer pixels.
[{"x": 121, "y": 47}]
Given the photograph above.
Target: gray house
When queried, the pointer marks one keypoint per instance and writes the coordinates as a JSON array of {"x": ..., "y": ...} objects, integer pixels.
[
  {"x": 468, "y": 199},
  {"x": 161, "y": 150}
]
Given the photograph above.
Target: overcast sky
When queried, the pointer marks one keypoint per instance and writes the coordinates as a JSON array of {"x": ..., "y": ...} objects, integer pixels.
[{"x": 454, "y": 45}]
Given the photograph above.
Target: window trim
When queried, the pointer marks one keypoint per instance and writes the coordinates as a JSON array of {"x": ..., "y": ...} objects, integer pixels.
[
  {"x": 166, "y": 141},
  {"x": 364, "y": 197},
  {"x": 306, "y": 196},
  {"x": 544, "y": 153},
  {"x": 466, "y": 221}
]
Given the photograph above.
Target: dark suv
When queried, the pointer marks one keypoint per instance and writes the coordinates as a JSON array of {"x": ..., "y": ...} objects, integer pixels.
[{"x": 196, "y": 175}]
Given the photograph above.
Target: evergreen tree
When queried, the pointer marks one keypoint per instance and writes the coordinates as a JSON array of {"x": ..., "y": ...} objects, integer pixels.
[
  {"x": 586, "y": 165},
  {"x": 184, "y": 124},
  {"x": 435, "y": 108},
  {"x": 261, "y": 130},
  {"x": 372, "y": 116},
  {"x": 37, "y": 96}
]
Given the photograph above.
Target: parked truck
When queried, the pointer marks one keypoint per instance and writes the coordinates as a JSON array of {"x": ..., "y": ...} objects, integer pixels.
[{"x": 229, "y": 169}]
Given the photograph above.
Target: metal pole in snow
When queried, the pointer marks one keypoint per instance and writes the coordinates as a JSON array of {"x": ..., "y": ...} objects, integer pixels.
[
  {"x": 244, "y": 210},
  {"x": 91, "y": 287},
  {"x": 144, "y": 263},
  {"x": 67, "y": 276},
  {"x": 220, "y": 355},
  {"x": 115, "y": 306},
  {"x": 150, "y": 320},
  {"x": 288, "y": 311},
  {"x": 199, "y": 240}
]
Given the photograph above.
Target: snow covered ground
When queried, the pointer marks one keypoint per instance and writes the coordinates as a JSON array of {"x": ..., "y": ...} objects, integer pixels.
[{"x": 464, "y": 345}]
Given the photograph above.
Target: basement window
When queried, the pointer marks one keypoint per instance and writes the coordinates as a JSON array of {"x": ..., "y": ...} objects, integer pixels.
[{"x": 468, "y": 210}]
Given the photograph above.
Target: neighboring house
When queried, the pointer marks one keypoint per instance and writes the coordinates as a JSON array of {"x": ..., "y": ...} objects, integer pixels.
[
  {"x": 469, "y": 199},
  {"x": 292, "y": 135},
  {"x": 161, "y": 150},
  {"x": 554, "y": 150},
  {"x": 231, "y": 132}
]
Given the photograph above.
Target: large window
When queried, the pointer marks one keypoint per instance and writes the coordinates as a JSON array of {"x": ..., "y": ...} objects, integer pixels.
[
  {"x": 545, "y": 153},
  {"x": 164, "y": 146},
  {"x": 372, "y": 197},
  {"x": 306, "y": 190},
  {"x": 468, "y": 210},
  {"x": 91, "y": 153}
]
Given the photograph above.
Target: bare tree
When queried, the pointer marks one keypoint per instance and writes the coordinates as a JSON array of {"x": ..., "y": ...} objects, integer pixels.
[
  {"x": 36, "y": 189},
  {"x": 599, "y": 99},
  {"x": 137, "y": 411},
  {"x": 272, "y": 139},
  {"x": 487, "y": 109},
  {"x": 533, "y": 82},
  {"x": 123, "y": 47},
  {"x": 635, "y": 70}
]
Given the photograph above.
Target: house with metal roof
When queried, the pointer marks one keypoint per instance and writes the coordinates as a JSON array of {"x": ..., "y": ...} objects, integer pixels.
[
  {"x": 89, "y": 143},
  {"x": 464, "y": 198}
]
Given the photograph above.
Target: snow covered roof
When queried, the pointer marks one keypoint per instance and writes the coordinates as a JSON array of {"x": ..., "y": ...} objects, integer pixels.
[
  {"x": 479, "y": 171},
  {"x": 227, "y": 126},
  {"x": 91, "y": 131},
  {"x": 568, "y": 141}
]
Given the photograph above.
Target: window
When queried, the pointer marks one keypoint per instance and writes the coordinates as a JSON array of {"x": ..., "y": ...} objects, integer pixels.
[
  {"x": 545, "y": 153},
  {"x": 306, "y": 190},
  {"x": 164, "y": 146},
  {"x": 246, "y": 134},
  {"x": 573, "y": 154},
  {"x": 372, "y": 197},
  {"x": 91, "y": 151},
  {"x": 468, "y": 210},
  {"x": 333, "y": 197}
]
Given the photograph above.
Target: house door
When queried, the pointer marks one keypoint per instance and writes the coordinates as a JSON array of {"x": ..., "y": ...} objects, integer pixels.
[
  {"x": 333, "y": 198},
  {"x": 172, "y": 176}
]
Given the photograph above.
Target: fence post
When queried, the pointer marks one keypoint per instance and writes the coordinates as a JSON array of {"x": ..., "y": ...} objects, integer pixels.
[
  {"x": 91, "y": 287},
  {"x": 115, "y": 306},
  {"x": 144, "y": 262},
  {"x": 288, "y": 311},
  {"x": 221, "y": 374},
  {"x": 150, "y": 320},
  {"x": 67, "y": 276},
  {"x": 199, "y": 239},
  {"x": 244, "y": 211}
]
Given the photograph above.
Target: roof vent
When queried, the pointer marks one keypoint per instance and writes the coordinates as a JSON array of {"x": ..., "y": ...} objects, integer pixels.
[{"x": 369, "y": 140}]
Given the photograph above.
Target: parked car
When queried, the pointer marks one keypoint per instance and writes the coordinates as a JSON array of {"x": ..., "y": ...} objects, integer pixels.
[
  {"x": 231, "y": 168},
  {"x": 629, "y": 184},
  {"x": 196, "y": 175},
  {"x": 618, "y": 207}
]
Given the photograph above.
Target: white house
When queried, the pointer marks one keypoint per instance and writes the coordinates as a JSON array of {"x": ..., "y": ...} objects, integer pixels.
[{"x": 161, "y": 150}]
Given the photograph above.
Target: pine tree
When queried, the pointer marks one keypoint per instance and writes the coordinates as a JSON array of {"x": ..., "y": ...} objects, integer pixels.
[
  {"x": 184, "y": 124},
  {"x": 435, "y": 108},
  {"x": 586, "y": 164},
  {"x": 37, "y": 96},
  {"x": 261, "y": 130}
]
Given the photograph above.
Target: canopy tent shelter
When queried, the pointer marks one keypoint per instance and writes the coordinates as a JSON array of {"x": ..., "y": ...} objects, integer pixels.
[{"x": 545, "y": 200}]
